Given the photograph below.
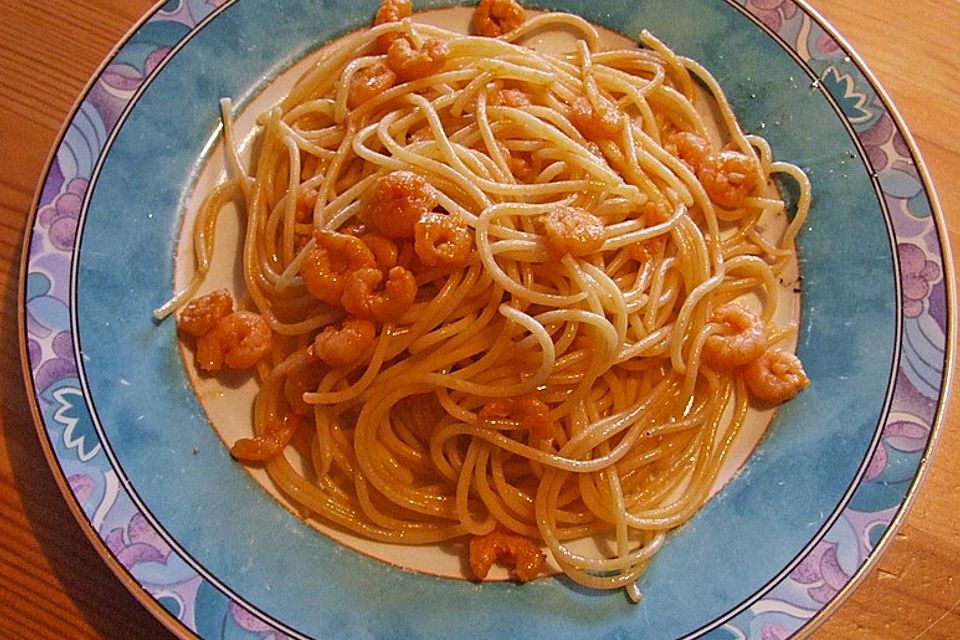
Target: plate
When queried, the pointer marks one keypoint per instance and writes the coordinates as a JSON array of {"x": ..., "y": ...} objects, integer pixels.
[{"x": 214, "y": 556}]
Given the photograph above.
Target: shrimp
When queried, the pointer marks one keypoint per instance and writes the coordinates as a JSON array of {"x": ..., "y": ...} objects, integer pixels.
[
  {"x": 656, "y": 211},
  {"x": 408, "y": 258},
  {"x": 532, "y": 413},
  {"x": 201, "y": 314},
  {"x": 602, "y": 123},
  {"x": 396, "y": 203},
  {"x": 325, "y": 268},
  {"x": 385, "y": 250},
  {"x": 410, "y": 64},
  {"x": 742, "y": 337},
  {"x": 689, "y": 147},
  {"x": 276, "y": 435},
  {"x": 572, "y": 230},
  {"x": 238, "y": 340},
  {"x": 728, "y": 177},
  {"x": 354, "y": 228},
  {"x": 369, "y": 82},
  {"x": 652, "y": 249},
  {"x": 521, "y": 552},
  {"x": 519, "y": 165},
  {"x": 423, "y": 134},
  {"x": 776, "y": 376},
  {"x": 303, "y": 376},
  {"x": 515, "y": 98},
  {"x": 306, "y": 201},
  {"x": 493, "y": 18},
  {"x": 399, "y": 292},
  {"x": 442, "y": 240},
  {"x": 340, "y": 347},
  {"x": 391, "y": 11}
]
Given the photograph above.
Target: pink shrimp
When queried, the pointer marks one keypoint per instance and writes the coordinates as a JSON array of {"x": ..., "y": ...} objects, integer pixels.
[
  {"x": 656, "y": 211},
  {"x": 201, "y": 314},
  {"x": 239, "y": 340},
  {"x": 728, "y": 177},
  {"x": 520, "y": 552},
  {"x": 346, "y": 345},
  {"x": 354, "y": 228},
  {"x": 776, "y": 376},
  {"x": 493, "y": 18},
  {"x": 411, "y": 64},
  {"x": 384, "y": 250},
  {"x": 396, "y": 203},
  {"x": 518, "y": 163},
  {"x": 689, "y": 147},
  {"x": 306, "y": 200},
  {"x": 652, "y": 249},
  {"x": 325, "y": 268},
  {"x": 423, "y": 134},
  {"x": 602, "y": 123},
  {"x": 742, "y": 337},
  {"x": 369, "y": 82},
  {"x": 302, "y": 377},
  {"x": 276, "y": 436},
  {"x": 360, "y": 298},
  {"x": 572, "y": 230},
  {"x": 532, "y": 413},
  {"x": 509, "y": 98},
  {"x": 442, "y": 240},
  {"x": 391, "y": 11}
]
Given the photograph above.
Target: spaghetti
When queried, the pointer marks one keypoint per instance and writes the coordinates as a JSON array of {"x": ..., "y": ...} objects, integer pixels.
[{"x": 502, "y": 296}]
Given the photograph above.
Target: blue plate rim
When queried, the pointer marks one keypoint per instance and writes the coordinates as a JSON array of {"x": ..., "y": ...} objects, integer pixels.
[{"x": 138, "y": 589}]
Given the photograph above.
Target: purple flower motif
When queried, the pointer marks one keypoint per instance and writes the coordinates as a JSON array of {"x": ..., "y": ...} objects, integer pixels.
[
  {"x": 874, "y": 139},
  {"x": 827, "y": 46},
  {"x": 34, "y": 350},
  {"x": 773, "y": 631},
  {"x": 138, "y": 544},
  {"x": 247, "y": 620},
  {"x": 822, "y": 573},
  {"x": 833, "y": 576},
  {"x": 807, "y": 572},
  {"x": 60, "y": 366},
  {"x": 60, "y": 216},
  {"x": 918, "y": 276},
  {"x": 119, "y": 81},
  {"x": 126, "y": 77},
  {"x": 81, "y": 486},
  {"x": 773, "y": 13},
  {"x": 900, "y": 145},
  {"x": 123, "y": 77},
  {"x": 877, "y": 464},
  {"x": 909, "y": 437},
  {"x": 190, "y": 12}
]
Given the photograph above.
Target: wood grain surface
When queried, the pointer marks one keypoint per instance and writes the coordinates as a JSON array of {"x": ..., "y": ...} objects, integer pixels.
[{"x": 53, "y": 585}]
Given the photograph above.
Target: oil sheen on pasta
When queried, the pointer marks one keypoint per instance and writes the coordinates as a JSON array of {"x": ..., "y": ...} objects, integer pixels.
[{"x": 500, "y": 297}]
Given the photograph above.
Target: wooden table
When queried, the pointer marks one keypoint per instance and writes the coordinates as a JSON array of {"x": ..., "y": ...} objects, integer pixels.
[{"x": 53, "y": 585}]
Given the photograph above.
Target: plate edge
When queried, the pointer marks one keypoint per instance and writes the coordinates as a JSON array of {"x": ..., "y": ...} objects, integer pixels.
[
  {"x": 936, "y": 429},
  {"x": 937, "y": 426},
  {"x": 137, "y": 590}
]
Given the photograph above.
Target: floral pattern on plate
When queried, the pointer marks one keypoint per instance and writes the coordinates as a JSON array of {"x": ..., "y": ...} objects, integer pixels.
[{"x": 199, "y": 606}]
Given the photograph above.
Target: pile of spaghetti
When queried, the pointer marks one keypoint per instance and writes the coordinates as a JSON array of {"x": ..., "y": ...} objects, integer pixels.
[{"x": 499, "y": 296}]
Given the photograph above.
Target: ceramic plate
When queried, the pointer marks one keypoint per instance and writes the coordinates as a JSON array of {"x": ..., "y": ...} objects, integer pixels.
[{"x": 213, "y": 555}]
